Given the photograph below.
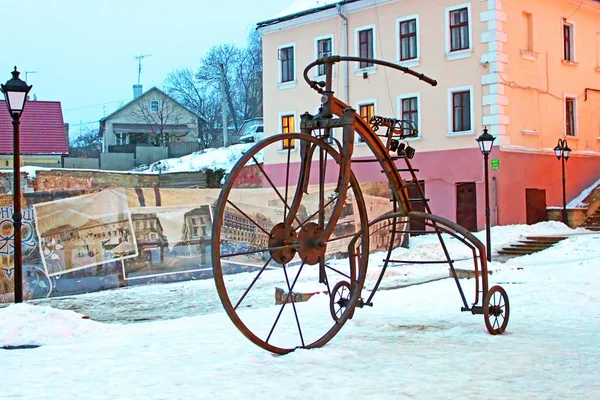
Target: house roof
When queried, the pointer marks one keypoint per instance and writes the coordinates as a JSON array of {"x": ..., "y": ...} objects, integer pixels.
[
  {"x": 302, "y": 5},
  {"x": 42, "y": 129},
  {"x": 152, "y": 89}
]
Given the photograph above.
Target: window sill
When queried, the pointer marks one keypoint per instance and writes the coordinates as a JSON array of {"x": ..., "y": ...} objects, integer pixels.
[
  {"x": 413, "y": 139},
  {"x": 368, "y": 71},
  {"x": 287, "y": 85},
  {"x": 322, "y": 77},
  {"x": 530, "y": 132},
  {"x": 529, "y": 55},
  {"x": 570, "y": 63},
  {"x": 462, "y": 133},
  {"x": 569, "y": 137},
  {"x": 285, "y": 150},
  {"x": 412, "y": 63},
  {"x": 459, "y": 54}
]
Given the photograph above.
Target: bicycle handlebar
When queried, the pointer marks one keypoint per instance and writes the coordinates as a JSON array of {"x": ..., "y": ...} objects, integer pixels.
[{"x": 335, "y": 59}]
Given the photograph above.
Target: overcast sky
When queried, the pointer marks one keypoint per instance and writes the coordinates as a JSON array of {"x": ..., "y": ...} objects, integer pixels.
[{"x": 83, "y": 51}]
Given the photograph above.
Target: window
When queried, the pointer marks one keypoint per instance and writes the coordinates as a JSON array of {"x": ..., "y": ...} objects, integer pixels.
[
  {"x": 365, "y": 46},
  {"x": 154, "y": 106},
  {"x": 287, "y": 126},
  {"x": 459, "y": 29},
  {"x": 286, "y": 59},
  {"x": 528, "y": 19},
  {"x": 568, "y": 53},
  {"x": 408, "y": 39},
  {"x": 324, "y": 48},
  {"x": 570, "y": 120},
  {"x": 366, "y": 111},
  {"x": 409, "y": 111},
  {"x": 461, "y": 111}
]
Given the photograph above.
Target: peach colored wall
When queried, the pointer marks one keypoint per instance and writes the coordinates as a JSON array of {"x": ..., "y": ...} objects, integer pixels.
[
  {"x": 385, "y": 84},
  {"x": 540, "y": 107}
]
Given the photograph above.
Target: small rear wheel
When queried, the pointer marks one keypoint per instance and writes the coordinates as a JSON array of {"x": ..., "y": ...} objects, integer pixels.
[
  {"x": 339, "y": 299},
  {"x": 496, "y": 310}
]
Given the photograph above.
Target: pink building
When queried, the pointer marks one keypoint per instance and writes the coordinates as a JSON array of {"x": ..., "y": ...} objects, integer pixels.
[{"x": 528, "y": 70}]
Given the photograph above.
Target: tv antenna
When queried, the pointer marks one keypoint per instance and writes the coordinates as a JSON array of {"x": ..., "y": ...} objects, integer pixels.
[
  {"x": 140, "y": 58},
  {"x": 29, "y": 72}
]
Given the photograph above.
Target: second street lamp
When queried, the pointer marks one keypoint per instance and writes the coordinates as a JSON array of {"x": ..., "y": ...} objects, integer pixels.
[
  {"x": 15, "y": 91},
  {"x": 486, "y": 141},
  {"x": 563, "y": 152}
]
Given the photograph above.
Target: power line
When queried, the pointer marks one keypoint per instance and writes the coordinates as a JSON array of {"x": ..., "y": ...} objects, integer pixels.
[
  {"x": 95, "y": 105},
  {"x": 575, "y": 12}
]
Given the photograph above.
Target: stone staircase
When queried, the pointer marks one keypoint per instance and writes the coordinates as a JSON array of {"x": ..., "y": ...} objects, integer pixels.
[
  {"x": 593, "y": 221},
  {"x": 531, "y": 244}
]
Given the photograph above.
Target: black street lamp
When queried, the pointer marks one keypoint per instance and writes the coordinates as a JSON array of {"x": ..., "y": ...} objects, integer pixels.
[
  {"x": 15, "y": 91},
  {"x": 563, "y": 152},
  {"x": 486, "y": 141}
]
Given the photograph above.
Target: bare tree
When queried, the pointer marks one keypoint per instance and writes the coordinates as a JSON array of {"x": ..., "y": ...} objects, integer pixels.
[
  {"x": 201, "y": 91},
  {"x": 88, "y": 144},
  {"x": 162, "y": 116}
]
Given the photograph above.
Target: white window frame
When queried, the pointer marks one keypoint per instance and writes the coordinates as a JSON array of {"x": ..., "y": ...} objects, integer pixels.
[
  {"x": 458, "y": 54},
  {"x": 419, "y": 111},
  {"x": 285, "y": 114},
  {"x": 571, "y": 24},
  {"x": 415, "y": 61},
  {"x": 370, "y": 70},
  {"x": 363, "y": 103},
  {"x": 292, "y": 83},
  {"x": 329, "y": 36},
  {"x": 575, "y": 116},
  {"x": 451, "y": 91},
  {"x": 152, "y": 103}
]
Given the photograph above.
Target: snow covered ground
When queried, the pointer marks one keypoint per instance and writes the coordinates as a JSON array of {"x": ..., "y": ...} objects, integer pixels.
[
  {"x": 414, "y": 342},
  {"x": 212, "y": 158}
]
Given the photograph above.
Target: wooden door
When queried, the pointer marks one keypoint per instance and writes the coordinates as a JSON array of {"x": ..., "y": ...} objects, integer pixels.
[
  {"x": 535, "y": 205},
  {"x": 417, "y": 225},
  {"x": 466, "y": 205}
]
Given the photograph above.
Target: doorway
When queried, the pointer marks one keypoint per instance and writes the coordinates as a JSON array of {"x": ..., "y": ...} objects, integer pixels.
[
  {"x": 535, "y": 205},
  {"x": 466, "y": 205}
]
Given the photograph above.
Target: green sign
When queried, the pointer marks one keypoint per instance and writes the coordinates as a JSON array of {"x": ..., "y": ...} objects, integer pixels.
[{"x": 495, "y": 163}]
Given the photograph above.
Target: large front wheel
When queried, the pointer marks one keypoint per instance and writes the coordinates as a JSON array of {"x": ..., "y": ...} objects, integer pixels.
[{"x": 273, "y": 269}]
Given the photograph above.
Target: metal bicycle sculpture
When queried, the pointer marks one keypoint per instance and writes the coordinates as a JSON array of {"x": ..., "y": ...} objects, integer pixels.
[{"x": 306, "y": 228}]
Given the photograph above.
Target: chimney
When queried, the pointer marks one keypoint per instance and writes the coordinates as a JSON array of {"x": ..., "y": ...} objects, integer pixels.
[{"x": 137, "y": 91}]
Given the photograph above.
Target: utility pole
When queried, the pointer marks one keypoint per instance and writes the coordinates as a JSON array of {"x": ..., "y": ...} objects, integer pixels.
[
  {"x": 139, "y": 58},
  {"x": 223, "y": 104}
]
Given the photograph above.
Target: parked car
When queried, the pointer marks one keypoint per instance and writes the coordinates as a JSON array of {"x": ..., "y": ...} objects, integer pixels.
[{"x": 251, "y": 131}]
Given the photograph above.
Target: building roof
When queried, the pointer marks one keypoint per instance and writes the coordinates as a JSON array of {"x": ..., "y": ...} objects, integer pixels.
[
  {"x": 152, "y": 89},
  {"x": 42, "y": 129},
  {"x": 301, "y": 8}
]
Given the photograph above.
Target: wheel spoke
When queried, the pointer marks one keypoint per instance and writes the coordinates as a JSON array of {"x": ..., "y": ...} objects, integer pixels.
[
  {"x": 250, "y": 219},
  {"x": 287, "y": 181},
  {"x": 286, "y": 206},
  {"x": 284, "y": 303},
  {"x": 287, "y": 281},
  {"x": 245, "y": 253},
  {"x": 252, "y": 284}
]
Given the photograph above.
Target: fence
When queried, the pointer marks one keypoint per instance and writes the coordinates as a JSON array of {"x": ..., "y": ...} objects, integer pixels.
[
  {"x": 179, "y": 149},
  {"x": 81, "y": 163}
]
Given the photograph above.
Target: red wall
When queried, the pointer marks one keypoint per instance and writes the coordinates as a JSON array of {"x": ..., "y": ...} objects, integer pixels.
[{"x": 519, "y": 171}]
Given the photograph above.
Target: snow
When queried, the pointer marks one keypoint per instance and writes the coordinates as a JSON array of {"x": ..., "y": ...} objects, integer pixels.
[
  {"x": 577, "y": 202},
  {"x": 222, "y": 158},
  {"x": 413, "y": 343}
]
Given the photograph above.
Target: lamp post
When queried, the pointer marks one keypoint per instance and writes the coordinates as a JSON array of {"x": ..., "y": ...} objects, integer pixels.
[
  {"x": 563, "y": 152},
  {"x": 15, "y": 91},
  {"x": 486, "y": 141}
]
